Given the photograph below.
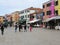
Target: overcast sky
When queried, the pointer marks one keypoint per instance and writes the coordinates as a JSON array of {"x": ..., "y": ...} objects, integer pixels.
[{"x": 8, "y": 6}]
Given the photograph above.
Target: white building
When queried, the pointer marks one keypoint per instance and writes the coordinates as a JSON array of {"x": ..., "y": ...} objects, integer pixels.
[{"x": 25, "y": 14}]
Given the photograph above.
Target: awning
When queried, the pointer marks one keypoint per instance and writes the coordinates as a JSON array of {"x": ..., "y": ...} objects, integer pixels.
[
  {"x": 52, "y": 18},
  {"x": 57, "y": 17},
  {"x": 33, "y": 21}
]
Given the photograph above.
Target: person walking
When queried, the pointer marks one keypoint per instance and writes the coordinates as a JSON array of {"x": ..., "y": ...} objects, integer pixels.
[
  {"x": 2, "y": 29},
  {"x": 30, "y": 27},
  {"x": 25, "y": 30},
  {"x": 20, "y": 27},
  {"x": 15, "y": 27}
]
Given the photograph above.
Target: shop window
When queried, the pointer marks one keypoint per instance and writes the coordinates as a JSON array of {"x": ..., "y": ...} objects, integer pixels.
[
  {"x": 49, "y": 4},
  {"x": 48, "y": 12}
]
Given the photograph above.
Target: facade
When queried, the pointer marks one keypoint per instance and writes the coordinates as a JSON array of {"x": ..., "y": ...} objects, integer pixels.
[
  {"x": 8, "y": 17},
  {"x": 30, "y": 14},
  {"x": 25, "y": 14},
  {"x": 36, "y": 14},
  {"x": 51, "y": 9},
  {"x": 57, "y": 7},
  {"x": 46, "y": 10},
  {"x": 1, "y": 19},
  {"x": 15, "y": 16}
]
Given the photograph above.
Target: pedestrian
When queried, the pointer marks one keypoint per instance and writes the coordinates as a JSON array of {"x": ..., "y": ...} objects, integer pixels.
[
  {"x": 15, "y": 27},
  {"x": 30, "y": 27},
  {"x": 20, "y": 27},
  {"x": 25, "y": 30},
  {"x": 2, "y": 29}
]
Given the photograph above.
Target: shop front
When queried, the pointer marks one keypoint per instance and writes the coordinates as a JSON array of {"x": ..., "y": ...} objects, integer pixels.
[{"x": 52, "y": 22}]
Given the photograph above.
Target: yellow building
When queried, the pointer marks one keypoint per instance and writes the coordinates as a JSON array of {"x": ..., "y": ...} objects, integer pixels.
[{"x": 57, "y": 7}]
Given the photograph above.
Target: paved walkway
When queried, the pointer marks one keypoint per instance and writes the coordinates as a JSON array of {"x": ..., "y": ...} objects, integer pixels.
[{"x": 38, "y": 36}]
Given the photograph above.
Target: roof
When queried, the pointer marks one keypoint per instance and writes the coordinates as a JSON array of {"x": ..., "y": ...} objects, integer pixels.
[
  {"x": 32, "y": 8},
  {"x": 46, "y": 2},
  {"x": 1, "y": 16}
]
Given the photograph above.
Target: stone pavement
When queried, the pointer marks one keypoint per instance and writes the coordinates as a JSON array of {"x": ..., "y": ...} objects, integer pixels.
[{"x": 38, "y": 36}]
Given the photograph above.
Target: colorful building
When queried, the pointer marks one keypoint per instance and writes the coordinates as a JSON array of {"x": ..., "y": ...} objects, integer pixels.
[
  {"x": 51, "y": 9},
  {"x": 36, "y": 14},
  {"x": 46, "y": 10},
  {"x": 57, "y": 7},
  {"x": 25, "y": 15},
  {"x": 1, "y": 19},
  {"x": 30, "y": 14},
  {"x": 15, "y": 16}
]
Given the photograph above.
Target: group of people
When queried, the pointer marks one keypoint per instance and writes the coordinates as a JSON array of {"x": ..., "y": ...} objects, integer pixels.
[
  {"x": 21, "y": 27},
  {"x": 16, "y": 27}
]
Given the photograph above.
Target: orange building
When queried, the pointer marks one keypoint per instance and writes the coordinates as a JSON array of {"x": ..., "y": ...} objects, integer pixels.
[
  {"x": 1, "y": 19},
  {"x": 15, "y": 16},
  {"x": 46, "y": 10}
]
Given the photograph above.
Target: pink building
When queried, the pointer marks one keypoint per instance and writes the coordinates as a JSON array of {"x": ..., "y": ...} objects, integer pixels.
[{"x": 52, "y": 8}]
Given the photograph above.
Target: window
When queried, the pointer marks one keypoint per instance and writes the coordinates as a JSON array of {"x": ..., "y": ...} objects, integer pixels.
[
  {"x": 49, "y": 4},
  {"x": 21, "y": 12},
  {"x": 56, "y": 3},
  {"x": 25, "y": 16},
  {"x": 48, "y": 12},
  {"x": 43, "y": 6},
  {"x": 43, "y": 13},
  {"x": 28, "y": 16},
  {"x": 22, "y": 17},
  {"x": 56, "y": 12},
  {"x": 28, "y": 11},
  {"x": 31, "y": 16}
]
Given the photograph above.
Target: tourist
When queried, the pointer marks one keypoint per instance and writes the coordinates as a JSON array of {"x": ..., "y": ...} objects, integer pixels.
[{"x": 2, "y": 29}]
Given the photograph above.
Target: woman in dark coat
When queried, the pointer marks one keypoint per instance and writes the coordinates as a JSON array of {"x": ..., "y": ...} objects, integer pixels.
[{"x": 2, "y": 29}]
